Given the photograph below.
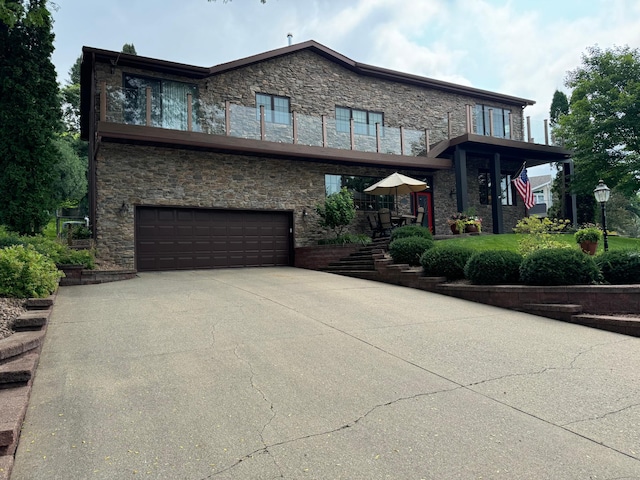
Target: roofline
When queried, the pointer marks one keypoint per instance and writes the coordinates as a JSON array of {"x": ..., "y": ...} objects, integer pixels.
[{"x": 124, "y": 59}]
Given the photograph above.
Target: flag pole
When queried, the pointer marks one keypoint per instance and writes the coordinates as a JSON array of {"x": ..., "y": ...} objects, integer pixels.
[{"x": 522, "y": 167}]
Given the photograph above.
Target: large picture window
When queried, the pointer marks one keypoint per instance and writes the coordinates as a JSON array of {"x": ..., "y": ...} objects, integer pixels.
[
  {"x": 507, "y": 192},
  {"x": 276, "y": 109},
  {"x": 356, "y": 185},
  {"x": 501, "y": 121},
  {"x": 364, "y": 122},
  {"x": 168, "y": 102}
]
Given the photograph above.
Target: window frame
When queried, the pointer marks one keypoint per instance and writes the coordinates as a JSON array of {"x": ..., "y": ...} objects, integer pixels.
[
  {"x": 343, "y": 125},
  {"x": 271, "y": 114},
  {"x": 157, "y": 85},
  {"x": 501, "y": 119},
  {"x": 508, "y": 200}
]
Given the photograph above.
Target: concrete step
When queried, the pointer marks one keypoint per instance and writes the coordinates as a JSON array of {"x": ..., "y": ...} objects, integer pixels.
[
  {"x": 18, "y": 371},
  {"x": 349, "y": 267},
  {"x": 19, "y": 343},
  {"x": 14, "y": 406},
  {"x": 626, "y": 325},
  {"x": 39, "y": 303},
  {"x": 6, "y": 465},
  {"x": 558, "y": 311},
  {"x": 31, "y": 320}
]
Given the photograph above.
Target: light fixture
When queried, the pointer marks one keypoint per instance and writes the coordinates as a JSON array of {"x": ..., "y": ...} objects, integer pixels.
[
  {"x": 304, "y": 212},
  {"x": 124, "y": 209},
  {"x": 602, "y": 192}
]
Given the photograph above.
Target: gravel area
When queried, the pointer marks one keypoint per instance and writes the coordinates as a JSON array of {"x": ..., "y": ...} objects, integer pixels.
[{"x": 10, "y": 309}]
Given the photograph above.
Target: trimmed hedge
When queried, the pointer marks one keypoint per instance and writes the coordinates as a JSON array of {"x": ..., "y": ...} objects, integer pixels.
[
  {"x": 559, "y": 266},
  {"x": 410, "y": 231},
  {"x": 446, "y": 261},
  {"x": 493, "y": 267},
  {"x": 25, "y": 273},
  {"x": 620, "y": 267},
  {"x": 409, "y": 249}
]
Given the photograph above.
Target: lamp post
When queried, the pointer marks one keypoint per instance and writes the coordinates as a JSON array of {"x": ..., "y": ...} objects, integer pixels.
[{"x": 601, "y": 193}]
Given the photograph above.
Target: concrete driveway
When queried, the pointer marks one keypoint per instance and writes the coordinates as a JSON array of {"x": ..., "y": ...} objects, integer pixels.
[{"x": 295, "y": 374}]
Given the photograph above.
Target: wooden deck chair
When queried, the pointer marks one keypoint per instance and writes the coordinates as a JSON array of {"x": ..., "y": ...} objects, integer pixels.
[
  {"x": 384, "y": 220},
  {"x": 376, "y": 230}
]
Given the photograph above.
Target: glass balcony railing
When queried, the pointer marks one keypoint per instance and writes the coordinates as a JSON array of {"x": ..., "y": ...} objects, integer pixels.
[{"x": 184, "y": 111}]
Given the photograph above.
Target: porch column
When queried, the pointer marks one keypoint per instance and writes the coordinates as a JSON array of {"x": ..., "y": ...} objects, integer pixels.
[
  {"x": 496, "y": 201},
  {"x": 460, "y": 163}
]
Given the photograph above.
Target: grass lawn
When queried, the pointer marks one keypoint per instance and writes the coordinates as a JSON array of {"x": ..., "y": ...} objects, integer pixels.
[{"x": 509, "y": 241}]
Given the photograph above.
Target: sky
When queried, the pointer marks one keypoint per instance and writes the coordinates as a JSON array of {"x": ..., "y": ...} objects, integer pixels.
[{"x": 522, "y": 48}]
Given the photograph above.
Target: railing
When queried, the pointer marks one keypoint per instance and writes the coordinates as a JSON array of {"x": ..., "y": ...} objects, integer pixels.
[{"x": 187, "y": 113}]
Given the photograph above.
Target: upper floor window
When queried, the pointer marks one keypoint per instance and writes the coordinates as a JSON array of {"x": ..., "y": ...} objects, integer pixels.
[
  {"x": 507, "y": 193},
  {"x": 276, "y": 109},
  {"x": 501, "y": 121},
  {"x": 364, "y": 122},
  {"x": 168, "y": 102}
]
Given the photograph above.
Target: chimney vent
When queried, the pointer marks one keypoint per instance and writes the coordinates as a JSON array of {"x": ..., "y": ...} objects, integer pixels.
[{"x": 290, "y": 38}]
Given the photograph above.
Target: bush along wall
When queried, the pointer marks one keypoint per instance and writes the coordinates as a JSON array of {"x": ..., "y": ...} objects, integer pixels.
[{"x": 559, "y": 266}]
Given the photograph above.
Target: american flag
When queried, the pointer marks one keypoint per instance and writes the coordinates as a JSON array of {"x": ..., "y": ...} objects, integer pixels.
[{"x": 523, "y": 185}]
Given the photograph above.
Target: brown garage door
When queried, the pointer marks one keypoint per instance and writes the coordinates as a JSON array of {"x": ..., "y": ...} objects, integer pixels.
[{"x": 190, "y": 238}]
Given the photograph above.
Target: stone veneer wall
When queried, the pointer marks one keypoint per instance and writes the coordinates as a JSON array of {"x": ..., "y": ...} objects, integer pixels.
[
  {"x": 142, "y": 175},
  {"x": 315, "y": 86}
]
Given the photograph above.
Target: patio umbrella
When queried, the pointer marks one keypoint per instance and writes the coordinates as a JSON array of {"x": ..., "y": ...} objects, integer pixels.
[{"x": 396, "y": 184}]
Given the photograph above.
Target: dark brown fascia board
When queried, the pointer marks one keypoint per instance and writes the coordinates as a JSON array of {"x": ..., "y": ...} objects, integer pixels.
[
  {"x": 534, "y": 150},
  {"x": 242, "y": 146},
  {"x": 360, "y": 68}
]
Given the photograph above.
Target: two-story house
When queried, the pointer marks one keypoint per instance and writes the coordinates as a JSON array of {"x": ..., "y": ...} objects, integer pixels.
[{"x": 194, "y": 167}]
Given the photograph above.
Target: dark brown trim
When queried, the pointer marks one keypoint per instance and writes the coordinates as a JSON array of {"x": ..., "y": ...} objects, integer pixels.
[
  {"x": 241, "y": 146},
  {"x": 472, "y": 142}
]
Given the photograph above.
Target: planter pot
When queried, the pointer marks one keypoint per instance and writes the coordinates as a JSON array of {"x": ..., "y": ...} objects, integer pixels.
[
  {"x": 589, "y": 247},
  {"x": 471, "y": 228},
  {"x": 454, "y": 229}
]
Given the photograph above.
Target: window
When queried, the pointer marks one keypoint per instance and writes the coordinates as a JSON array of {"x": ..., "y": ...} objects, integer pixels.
[
  {"x": 276, "y": 109},
  {"x": 539, "y": 197},
  {"x": 501, "y": 121},
  {"x": 168, "y": 102},
  {"x": 507, "y": 195},
  {"x": 364, "y": 122},
  {"x": 356, "y": 185}
]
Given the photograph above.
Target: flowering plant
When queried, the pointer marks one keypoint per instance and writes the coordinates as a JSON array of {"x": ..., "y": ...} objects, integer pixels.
[{"x": 462, "y": 219}]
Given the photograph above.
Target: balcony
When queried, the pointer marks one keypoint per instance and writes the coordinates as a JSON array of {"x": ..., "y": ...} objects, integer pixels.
[{"x": 237, "y": 128}]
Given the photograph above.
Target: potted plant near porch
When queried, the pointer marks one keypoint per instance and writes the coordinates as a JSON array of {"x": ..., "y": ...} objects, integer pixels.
[{"x": 588, "y": 238}]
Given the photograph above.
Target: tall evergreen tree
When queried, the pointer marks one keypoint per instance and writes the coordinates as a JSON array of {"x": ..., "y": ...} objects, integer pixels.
[
  {"x": 129, "y": 48},
  {"x": 29, "y": 118}
]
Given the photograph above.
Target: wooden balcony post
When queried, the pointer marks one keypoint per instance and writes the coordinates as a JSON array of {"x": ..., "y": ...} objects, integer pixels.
[
  {"x": 401, "y": 140},
  {"x": 491, "y": 122},
  {"x": 469, "y": 121},
  {"x": 103, "y": 101},
  {"x": 351, "y": 134},
  {"x": 546, "y": 131},
  {"x": 510, "y": 125},
  {"x": 530, "y": 138},
  {"x": 262, "y": 124},
  {"x": 227, "y": 118},
  {"x": 377, "y": 137},
  {"x": 294, "y": 117},
  {"x": 324, "y": 130},
  {"x": 189, "y": 112},
  {"x": 426, "y": 140},
  {"x": 148, "y": 122},
  {"x": 449, "y": 125}
]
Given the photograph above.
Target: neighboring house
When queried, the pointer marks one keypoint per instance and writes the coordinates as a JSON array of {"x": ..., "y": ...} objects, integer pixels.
[
  {"x": 194, "y": 167},
  {"x": 541, "y": 188}
]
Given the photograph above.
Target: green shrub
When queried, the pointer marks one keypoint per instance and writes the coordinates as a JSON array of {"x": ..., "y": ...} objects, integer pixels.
[
  {"x": 25, "y": 273},
  {"x": 77, "y": 257},
  {"x": 559, "y": 266},
  {"x": 588, "y": 234},
  {"x": 620, "y": 267},
  {"x": 410, "y": 231},
  {"x": 493, "y": 267},
  {"x": 409, "y": 249},
  {"x": 446, "y": 261},
  {"x": 346, "y": 239}
]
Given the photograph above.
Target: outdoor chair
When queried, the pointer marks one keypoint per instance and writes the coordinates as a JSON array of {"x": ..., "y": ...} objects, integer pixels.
[
  {"x": 384, "y": 220},
  {"x": 376, "y": 229},
  {"x": 420, "y": 216}
]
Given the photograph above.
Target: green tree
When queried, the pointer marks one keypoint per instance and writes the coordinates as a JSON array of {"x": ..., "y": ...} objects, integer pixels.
[
  {"x": 559, "y": 106},
  {"x": 70, "y": 94},
  {"x": 14, "y": 11},
  {"x": 129, "y": 48},
  {"x": 337, "y": 212},
  {"x": 70, "y": 173},
  {"x": 29, "y": 117},
  {"x": 603, "y": 124}
]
